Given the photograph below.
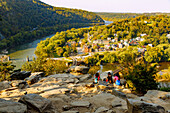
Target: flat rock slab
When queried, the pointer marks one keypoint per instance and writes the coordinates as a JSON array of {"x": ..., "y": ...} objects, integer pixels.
[
  {"x": 80, "y": 104},
  {"x": 136, "y": 106},
  {"x": 7, "y": 106},
  {"x": 35, "y": 102},
  {"x": 55, "y": 92},
  {"x": 156, "y": 94},
  {"x": 103, "y": 99},
  {"x": 101, "y": 110},
  {"x": 62, "y": 76},
  {"x": 70, "y": 112},
  {"x": 4, "y": 85},
  {"x": 119, "y": 94}
]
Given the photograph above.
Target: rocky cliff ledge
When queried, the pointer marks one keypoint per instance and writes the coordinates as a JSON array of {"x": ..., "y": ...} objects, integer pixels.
[{"x": 67, "y": 93}]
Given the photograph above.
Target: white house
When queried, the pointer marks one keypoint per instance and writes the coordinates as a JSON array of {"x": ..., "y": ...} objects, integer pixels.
[
  {"x": 109, "y": 38},
  {"x": 115, "y": 34},
  {"x": 139, "y": 39},
  {"x": 126, "y": 44},
  {"x": 150, "y": 45},
  {"x": 120, "y": 45},
  {"x": 121, "y": 41},
  {"x": 168, "y": 35},
  {"x": 143, "y": 34},
  {"x": 113, "y": 40}
]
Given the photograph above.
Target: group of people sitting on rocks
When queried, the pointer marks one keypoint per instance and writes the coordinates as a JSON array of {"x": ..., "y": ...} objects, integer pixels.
[{"x": 108, "y": 80}]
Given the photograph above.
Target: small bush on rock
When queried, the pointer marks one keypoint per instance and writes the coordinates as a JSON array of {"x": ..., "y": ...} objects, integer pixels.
[{"x": 142, "y": 76}]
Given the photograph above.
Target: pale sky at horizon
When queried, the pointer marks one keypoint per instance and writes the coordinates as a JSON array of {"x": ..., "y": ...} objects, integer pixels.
[{"x": 134, "y": 6}]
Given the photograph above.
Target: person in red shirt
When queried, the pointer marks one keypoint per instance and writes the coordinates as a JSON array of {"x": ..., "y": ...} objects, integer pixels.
[{"x": 96, "y": 78}]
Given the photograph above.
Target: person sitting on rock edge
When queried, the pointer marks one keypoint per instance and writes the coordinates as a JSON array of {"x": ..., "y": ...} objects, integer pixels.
[
  {"x": 96, "y": 78},
  {"x": 109, "y": 78},
  {"x": 117, "y": 79}
]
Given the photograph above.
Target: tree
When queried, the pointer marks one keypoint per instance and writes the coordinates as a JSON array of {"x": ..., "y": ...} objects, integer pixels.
[
  {"x": 0, "y": 18},
  {"x": 141, "y": 75},
  {"x": 5, "y": 70},
  {"x": 43, "y": 65},
  {"x": 66, "y": 54}
]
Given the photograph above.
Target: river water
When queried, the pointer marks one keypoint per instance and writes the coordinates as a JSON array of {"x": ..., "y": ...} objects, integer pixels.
[{"x": 18, "y": 54}]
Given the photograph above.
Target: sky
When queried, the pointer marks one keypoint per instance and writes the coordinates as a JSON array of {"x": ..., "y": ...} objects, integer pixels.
[{"x": 133, "y": 6}]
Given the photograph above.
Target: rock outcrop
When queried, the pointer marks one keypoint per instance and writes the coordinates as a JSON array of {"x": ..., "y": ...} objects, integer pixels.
[
  {"x": 67, "y": 93},
  {"x": 136, "y": 106},
  {"x": 36, "y": 103},
  {"x": 79, "y": 69},
  {"x": 19, "y": 83},
  {"x": 7, "y": 106},
  {"x": 34, "y": 77},
  {"x": 20, "y": 75},
  {"x": 4, "y": 85}
]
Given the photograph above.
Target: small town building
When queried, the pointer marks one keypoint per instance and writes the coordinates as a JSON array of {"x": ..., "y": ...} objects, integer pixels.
[
  {"x": 143, "y": 34},
  {"x": 150, "y": 45},
  {"x": 106, "y": 42}
]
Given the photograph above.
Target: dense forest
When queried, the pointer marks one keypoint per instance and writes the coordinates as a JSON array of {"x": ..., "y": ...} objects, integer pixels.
[
  {"x": 155, "y": 29},
  {"x": 27, "y": 20},
  {"x": 119, "y": 16}
]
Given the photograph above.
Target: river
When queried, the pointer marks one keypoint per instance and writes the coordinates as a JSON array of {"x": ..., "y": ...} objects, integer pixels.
[{"x": 18, "y": 54}]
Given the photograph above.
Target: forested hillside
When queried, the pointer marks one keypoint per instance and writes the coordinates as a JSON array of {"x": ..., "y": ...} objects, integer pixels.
[
  {"x": 119, "y": 16},
  {"x": 154, "y": 28},
  {"x": 26, "y": 20}
]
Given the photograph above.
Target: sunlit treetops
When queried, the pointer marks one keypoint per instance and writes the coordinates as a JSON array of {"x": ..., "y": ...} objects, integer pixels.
[{"x": 155, "y": 29}]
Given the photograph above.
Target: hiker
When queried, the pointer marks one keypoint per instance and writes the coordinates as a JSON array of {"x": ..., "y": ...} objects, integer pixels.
[
  {"x": 117, "y": 79},
  {"x": 109, "y": 78},
  {"x": 96, "y": 78}
]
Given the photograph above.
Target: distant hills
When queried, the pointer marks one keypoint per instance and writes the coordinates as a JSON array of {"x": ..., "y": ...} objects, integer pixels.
[
  {"x": 26, "y": 20},
  {"x": 117, "y": 16}
]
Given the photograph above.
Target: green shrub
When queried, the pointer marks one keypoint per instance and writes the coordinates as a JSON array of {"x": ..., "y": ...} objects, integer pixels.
[
  {"x": 5, "y": 70},
  {"x": 93, "y": 69},
  {"x": 142, "y": 76},
  {"x": 165, "y": 89},
  {"x": 47, "y": 66}
]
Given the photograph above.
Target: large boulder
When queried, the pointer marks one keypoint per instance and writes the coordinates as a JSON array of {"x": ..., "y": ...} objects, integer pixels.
[
  {"x": 19, "y": 83},
  {"x": 82, "y": 69},
  {"x": 85, "y": 77},
  {"x": 20, "y": 75},
  {"x": 36, "y": 103},
  {"x": 103, "y": 99},
  {"x": 34, "y": 77},
  {"x": 7, "y": 106},
  {"x": 4, "y": 85},
  {"x": 71, "y": 69},
  {"x": 159, "y": 97},
  {"x": 136, "y": 106},
  {"x": 156, "y": 94},
  {"x": 119, "y": 102}
]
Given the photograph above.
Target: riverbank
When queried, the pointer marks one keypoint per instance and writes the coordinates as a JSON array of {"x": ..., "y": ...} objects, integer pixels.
[{"x": 19, "y": 54}]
